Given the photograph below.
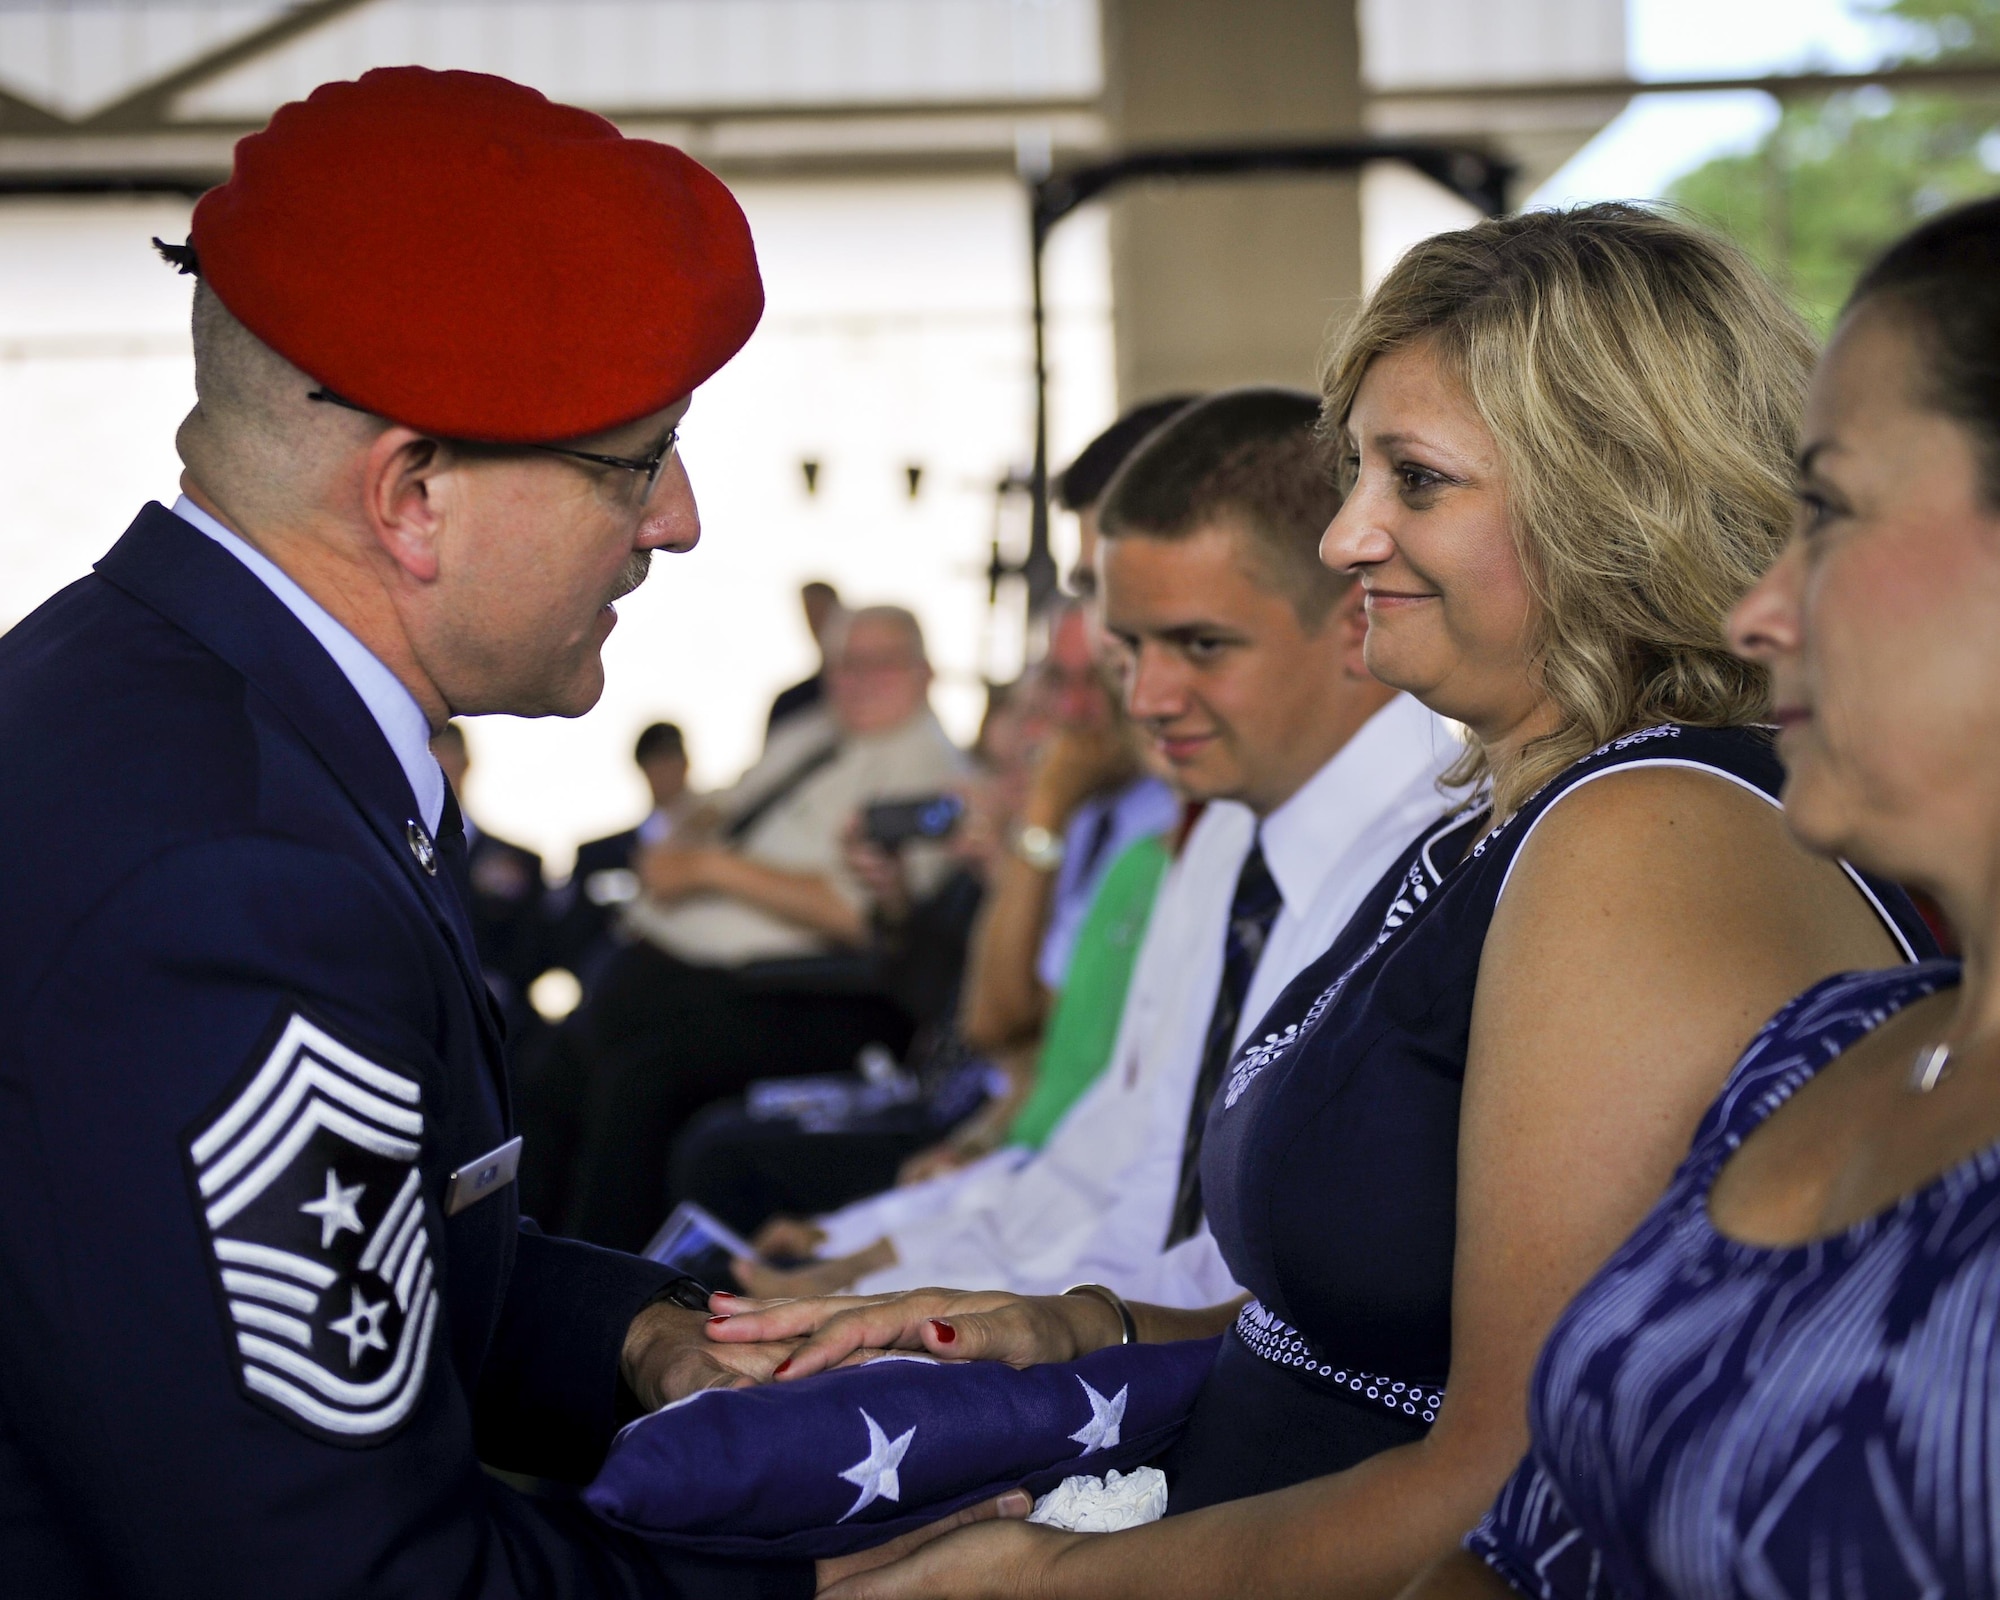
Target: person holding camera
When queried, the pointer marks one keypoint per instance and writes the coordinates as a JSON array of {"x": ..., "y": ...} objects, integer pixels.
[{"x": 747, "y": 954}]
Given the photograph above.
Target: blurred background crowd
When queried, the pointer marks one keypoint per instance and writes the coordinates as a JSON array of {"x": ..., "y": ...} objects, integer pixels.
[{"x": 858, "y": 844}]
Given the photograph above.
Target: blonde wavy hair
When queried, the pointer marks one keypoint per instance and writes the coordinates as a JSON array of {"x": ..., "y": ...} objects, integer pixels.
[{"x": 1643, "y": 382}]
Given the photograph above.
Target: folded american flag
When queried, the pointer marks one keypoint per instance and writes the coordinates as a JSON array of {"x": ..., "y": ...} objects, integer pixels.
[{"x": 844, "y": 1460}]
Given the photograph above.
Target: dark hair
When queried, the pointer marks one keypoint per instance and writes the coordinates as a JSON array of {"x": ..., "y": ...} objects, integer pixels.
[
  {"x": 1081, "y": 484},
  {"x": 1943, "y": 280},
  {"x": 1252, "y": 454},
  {"x": 659, "y": 739}
]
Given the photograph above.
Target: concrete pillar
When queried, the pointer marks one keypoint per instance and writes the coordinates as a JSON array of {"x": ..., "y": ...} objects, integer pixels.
[{"x": 1227, "y": 281}]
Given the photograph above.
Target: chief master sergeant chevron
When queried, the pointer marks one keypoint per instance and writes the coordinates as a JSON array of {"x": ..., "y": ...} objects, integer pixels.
[{"x": 266, "y": 1301}]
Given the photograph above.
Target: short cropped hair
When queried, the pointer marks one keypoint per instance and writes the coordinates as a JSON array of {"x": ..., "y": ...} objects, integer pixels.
[
  {"x": 1081, "y": 484},
  {"x": 1643, "y": 383},
  {"x": 1252, "y": 457},
  {"x": 1942, "y": 281},
  {"x": 658, "y": 740}
]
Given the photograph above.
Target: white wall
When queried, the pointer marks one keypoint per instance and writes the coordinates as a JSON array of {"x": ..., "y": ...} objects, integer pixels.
[{"x": 896, "y": 335}]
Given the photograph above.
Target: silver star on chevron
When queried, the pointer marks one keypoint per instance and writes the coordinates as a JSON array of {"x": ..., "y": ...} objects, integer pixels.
[
  {"x": 1101, "y": 1431},
  {"x": 875, "y": 1476},
  {"x": 335, "y": 1209},
  {"x": 362, "y": 1326}
]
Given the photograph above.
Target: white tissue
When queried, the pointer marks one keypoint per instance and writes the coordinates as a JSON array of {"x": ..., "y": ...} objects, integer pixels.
[{"x": 1104, "y": 1505}]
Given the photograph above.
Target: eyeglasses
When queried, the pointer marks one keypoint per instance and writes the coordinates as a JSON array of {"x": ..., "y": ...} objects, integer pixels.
[{"x": 648, "y": 467}]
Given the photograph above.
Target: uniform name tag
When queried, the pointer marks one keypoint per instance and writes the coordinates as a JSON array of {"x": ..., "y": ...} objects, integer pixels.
[{"x": 477, "y": 1179}]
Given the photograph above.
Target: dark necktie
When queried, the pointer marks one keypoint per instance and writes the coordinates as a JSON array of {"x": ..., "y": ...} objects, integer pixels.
[
  {"x": 455, "y": 863},
  {"x": 1100, "y": 836},
  {"x": 1251, "y": 913}
]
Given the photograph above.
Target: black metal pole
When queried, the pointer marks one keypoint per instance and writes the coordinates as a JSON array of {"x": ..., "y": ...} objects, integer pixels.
[{"x": 1040, "y": 567}]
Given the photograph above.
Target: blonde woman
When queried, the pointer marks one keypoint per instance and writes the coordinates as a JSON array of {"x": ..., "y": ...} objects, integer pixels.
[{"x": 1568, "y": 438}]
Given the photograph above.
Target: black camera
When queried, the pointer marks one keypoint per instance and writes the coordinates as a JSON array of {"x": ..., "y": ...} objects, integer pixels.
[{"x": 892, "y": 823}]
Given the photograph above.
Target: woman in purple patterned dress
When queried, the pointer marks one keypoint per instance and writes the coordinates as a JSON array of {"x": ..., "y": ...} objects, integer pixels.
[{"x": 1785, "y": 1383}]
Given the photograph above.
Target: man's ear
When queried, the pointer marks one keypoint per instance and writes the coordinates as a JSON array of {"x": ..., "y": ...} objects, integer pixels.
[
  {"x": 1350, "y": 616},
  {"x": 405, "y": 500}
]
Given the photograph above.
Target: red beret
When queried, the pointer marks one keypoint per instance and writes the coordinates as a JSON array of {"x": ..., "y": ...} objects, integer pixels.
[{"x": 462, "y": 255}]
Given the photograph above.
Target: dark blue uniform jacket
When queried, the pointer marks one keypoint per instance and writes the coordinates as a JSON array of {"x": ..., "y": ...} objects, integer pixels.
[{"x": 243, "y": 1044}]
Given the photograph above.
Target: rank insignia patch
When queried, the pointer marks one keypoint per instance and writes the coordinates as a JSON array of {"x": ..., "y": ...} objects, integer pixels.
[{"x": 308, "y": 1184}]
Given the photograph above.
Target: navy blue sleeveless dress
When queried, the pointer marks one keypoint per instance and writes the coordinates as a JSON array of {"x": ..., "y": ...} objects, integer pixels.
[
  {"x": 1331, "y": 1157},
  {"x": 1715, "y": 1419}
]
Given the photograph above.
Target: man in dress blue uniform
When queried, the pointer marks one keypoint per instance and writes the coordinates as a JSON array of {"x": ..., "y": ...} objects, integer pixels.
[{"x": 266, "y": 1301}]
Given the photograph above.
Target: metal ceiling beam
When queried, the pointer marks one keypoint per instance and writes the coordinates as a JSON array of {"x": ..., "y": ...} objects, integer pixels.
[
  {"x": 146, "y": 107},
  {"x": 1782, "y": 85},
  {"x": 24, "y": 116}
]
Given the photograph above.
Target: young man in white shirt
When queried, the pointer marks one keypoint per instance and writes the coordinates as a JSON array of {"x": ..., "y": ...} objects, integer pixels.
[{"x": 1243, "y": 666}]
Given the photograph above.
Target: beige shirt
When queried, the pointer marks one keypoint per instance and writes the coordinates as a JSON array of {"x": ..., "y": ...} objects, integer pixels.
[{"x": 802, "y": 833}]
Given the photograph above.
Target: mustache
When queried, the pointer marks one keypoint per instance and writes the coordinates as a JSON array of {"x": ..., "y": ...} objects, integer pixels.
[{"x": 638, "y": 567}]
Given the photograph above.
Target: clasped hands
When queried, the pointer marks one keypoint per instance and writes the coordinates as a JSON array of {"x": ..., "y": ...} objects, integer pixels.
[{"x": 671, "y": 1352}]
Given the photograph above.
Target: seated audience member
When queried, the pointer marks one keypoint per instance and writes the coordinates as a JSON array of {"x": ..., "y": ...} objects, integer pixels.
[
  {"x": 1783, "y": 1382},
  {"x": 1569, "y": 436},
  {"x": 744, "y": 1161},
  {"x": 1073, "y": 1052},
  {"x": 1089, "y": 803},
  {"x": 821, "y": 604},
  {"x": 1081, "y": 484},
  {"x": 1242, "y": 668},
  {"x": 714, "y": 990},
  {"x": 741, "y": 1165},
  {"x": 506, "y": 898},
  {"x": 584, "y": 912},
  {"x": 1088, "y": 799}
]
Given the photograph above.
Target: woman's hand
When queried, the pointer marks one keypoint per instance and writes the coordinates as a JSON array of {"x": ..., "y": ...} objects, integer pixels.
[
  {"x": 665, "y": 1358},
  {"x": 955, "y": 1325},
  {"x": 1000, "y": 1559}
]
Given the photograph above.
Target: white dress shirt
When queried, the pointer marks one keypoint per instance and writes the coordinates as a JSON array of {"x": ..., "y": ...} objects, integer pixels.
[
  {"x": 1096, "y": 1201},
  {"x": 393, "y": 707}
]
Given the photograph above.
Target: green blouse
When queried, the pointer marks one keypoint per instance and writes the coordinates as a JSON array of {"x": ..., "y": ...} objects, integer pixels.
[{"x": 1084, "y": 1024}]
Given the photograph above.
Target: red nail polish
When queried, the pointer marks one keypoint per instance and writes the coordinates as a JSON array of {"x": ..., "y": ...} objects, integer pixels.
[
  {"x": 946, "y": 1333},
  {"x": 782, "y": 1365},
  {"x": 712, "y": 1321}
]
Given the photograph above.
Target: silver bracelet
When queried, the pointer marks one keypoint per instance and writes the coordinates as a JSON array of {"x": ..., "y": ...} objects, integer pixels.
[{"x": 1116, "y": 1301}]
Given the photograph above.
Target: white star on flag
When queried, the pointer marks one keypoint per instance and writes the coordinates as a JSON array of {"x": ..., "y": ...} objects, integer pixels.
[
  {"x": 875, "y": 1476},
  {"x": 1101, "y": 1431},
  {"x": 335, "y": 1209},
  {"x": 362, "y": 1326}
]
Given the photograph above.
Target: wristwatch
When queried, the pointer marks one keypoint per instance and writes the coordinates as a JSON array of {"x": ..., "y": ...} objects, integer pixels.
[
  {"x": 1039, "y": 847},
  {"x": 691, "y": 1294}
]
